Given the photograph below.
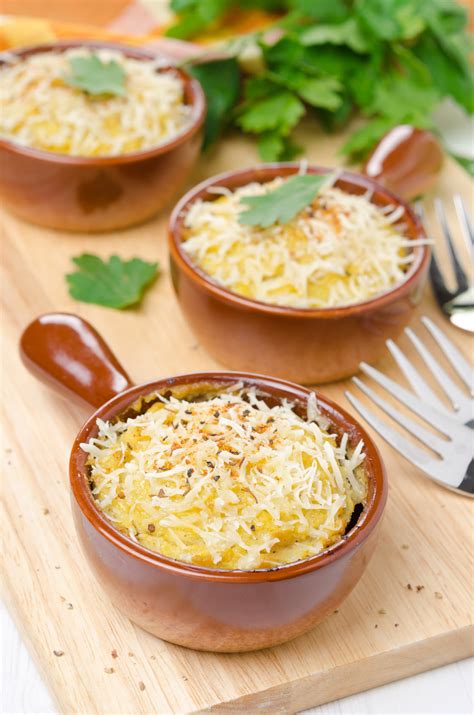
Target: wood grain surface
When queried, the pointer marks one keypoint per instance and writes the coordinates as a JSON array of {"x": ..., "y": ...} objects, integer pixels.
[{"x": 384, "y": 631}]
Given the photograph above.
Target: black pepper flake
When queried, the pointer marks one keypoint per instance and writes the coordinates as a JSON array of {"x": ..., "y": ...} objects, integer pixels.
[
  {"x": 376, "y": 625},
  {"x": 188, "y": 412},
  {"x": 396, "y": 625},
  {"x": 58, "y": 653},
  {"x": 217, "y": 414},
  {"x": 246, "y": 413},
  {"x": 151, "y": 528},
  {"x": 190, "y": 471},
  {"x": 252, "y": 437},
  {"x": 92, "y": 484},
  {"x": 216, "y": 477},
  {"x": 210, "y": 465},
  {"x": 45, "y": 511},
  {"x": 69, "y": 607},
  {"x": 409, "y": 587},
  {"x": 252, "y": 527},
  {"x": 419, "y": 588}
]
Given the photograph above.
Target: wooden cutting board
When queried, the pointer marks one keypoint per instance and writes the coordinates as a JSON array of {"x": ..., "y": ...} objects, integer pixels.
[{"x": 384, "y": 631}]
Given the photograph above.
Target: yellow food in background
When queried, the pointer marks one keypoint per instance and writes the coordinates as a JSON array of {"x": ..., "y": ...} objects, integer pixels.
[
  {"x": 226, "y": 481},
  {"x": 40, "y": 110}
]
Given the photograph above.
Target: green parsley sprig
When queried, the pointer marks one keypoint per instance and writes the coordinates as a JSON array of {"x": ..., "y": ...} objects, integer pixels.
[
  {"x": 391, "y": 61},
  {"x": 285, "y": 202},
  {"x": 114, "y": 283},
  {"x": 96, "y": 77}
]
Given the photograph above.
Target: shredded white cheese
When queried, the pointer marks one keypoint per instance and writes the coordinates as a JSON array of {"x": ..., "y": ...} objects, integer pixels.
[
  {"x": 227, "y": 481},
  {"x": 340, "y": 250},
  {"x": 40, "y": 110}
]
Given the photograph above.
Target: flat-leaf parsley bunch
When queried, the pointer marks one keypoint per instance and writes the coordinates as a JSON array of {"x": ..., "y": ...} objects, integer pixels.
[{"x": 392, "y": 61}]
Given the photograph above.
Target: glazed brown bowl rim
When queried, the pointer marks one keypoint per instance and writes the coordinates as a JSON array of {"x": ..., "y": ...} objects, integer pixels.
[
  {"x": 266, "y": 172},
  {"x": 117, "y": 405},
  {"x": 197, "y": 104}
]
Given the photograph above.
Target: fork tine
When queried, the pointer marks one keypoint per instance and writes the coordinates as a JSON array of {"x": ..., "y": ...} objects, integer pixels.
[
  {"x": 442, "y": 294},
  {"x": 421, "y": 388},
  {"x": 436, "y": 419},
  {"x": 447, "y": 385},
  {"x": 422, "y": 435},
  {"x": 459, "y": 363},
  {"x": 416, "y": 456},
  {"x": 466, "y": 226},
  {"x": 461, "y": 277}
]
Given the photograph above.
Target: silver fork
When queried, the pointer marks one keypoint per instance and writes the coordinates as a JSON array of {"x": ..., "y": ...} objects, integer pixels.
[
  {"x": 458, "y": 305},
  {"x": 455, "y": 467}
]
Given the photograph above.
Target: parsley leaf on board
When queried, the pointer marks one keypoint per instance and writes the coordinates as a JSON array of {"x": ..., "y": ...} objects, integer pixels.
[
  {"x": 114, "y": 284},
  {"x": 96, "y": 77},
  {"x": 283, "y": 203}
]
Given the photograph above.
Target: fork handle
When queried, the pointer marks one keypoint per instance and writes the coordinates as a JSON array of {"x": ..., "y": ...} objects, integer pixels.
[{"x": 467, "y": 484}]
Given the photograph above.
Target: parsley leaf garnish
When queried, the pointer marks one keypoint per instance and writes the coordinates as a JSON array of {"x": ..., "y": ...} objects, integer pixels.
[
  {"x": 115, "y": 283},
  {"x": 283, "y": 203},
  {"x": 96, "y": 77}
]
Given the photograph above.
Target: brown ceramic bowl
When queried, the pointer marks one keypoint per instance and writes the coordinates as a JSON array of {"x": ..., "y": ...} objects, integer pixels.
[
  {"x": 304, "y": 345},
  {"x": 76, "y": 193},
  {"x": 201, "y": 608}
]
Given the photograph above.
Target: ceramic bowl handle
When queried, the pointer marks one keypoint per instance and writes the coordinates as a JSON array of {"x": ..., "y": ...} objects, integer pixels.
[
  {"x": 65, "y": 352},
  {"x": 406, "y": 161}
]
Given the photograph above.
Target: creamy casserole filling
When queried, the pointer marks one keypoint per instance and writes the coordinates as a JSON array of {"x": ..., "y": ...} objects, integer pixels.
[
  {"x": 225, "y": 480},
  {"x": 339, "y": 250},
  {"x": 40, "y": 110}
]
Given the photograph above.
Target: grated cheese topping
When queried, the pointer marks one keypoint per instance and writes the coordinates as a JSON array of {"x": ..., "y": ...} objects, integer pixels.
[
  {"x": 227, "y": 481},
  {"x": 40, "y": 110},
  {"x": 340, "y": 250}
]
